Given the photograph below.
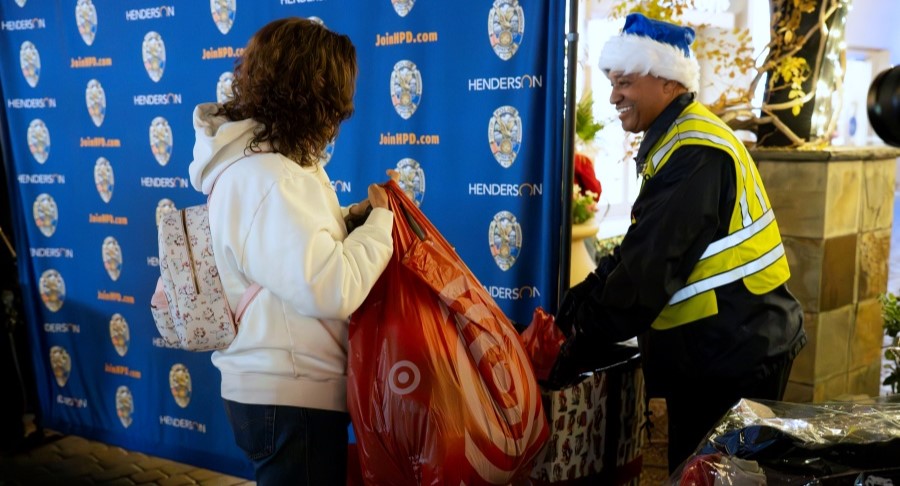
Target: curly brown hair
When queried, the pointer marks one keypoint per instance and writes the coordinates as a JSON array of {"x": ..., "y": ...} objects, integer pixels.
[{"x": 297, "y": 79}]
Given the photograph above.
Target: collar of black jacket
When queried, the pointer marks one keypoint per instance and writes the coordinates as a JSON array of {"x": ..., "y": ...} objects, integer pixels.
[{"x": 660, "y": 126}]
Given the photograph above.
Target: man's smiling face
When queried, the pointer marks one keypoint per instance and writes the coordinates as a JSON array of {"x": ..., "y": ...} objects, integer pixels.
[{"x": 639, "y": 99}]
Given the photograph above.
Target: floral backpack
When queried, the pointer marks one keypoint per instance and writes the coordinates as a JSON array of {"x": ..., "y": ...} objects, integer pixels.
[{"x": 189, "y": 305}]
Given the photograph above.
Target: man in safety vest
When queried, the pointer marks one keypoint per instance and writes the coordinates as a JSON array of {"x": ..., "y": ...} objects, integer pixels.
[{"x": 700, "y": 275}]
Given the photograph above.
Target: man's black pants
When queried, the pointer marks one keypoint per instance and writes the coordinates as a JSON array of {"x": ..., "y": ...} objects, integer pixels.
[{"x": 694, "y": 409}]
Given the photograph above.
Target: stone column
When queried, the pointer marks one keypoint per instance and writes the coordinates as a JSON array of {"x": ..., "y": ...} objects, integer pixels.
[{"x": 834, "y": 208}]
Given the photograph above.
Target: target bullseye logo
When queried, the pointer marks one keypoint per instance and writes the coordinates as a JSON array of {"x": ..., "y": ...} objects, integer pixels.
[
  {"x": 404, "y": 377},
  {"x": 498, "y": 381}
]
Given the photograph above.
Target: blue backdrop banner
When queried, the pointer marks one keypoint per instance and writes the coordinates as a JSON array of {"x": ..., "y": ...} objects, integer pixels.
[{"x": 464, "y": 96}]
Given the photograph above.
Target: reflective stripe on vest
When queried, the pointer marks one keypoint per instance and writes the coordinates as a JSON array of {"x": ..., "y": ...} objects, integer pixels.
[{"x": 752, "y": 251}]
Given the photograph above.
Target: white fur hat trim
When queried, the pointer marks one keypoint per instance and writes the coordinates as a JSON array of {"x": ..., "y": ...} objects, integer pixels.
[{"x": 642, "y": 55}]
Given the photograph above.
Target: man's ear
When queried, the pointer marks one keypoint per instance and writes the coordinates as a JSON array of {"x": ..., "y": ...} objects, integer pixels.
[{"x": 675, "y": 88}]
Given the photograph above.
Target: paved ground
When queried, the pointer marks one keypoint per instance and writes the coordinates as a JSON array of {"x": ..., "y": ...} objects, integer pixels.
[{"x": 71, "y": 461}]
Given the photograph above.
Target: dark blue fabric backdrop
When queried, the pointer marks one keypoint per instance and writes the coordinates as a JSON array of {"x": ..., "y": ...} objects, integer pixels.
[{"x": 465, "y": 98}]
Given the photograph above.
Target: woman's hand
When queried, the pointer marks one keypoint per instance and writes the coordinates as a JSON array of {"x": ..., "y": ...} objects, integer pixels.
[
  {"x": 359, "y": 212},
  {"x": 394, "y": 175},
  {"x": 377, "y": 194}
]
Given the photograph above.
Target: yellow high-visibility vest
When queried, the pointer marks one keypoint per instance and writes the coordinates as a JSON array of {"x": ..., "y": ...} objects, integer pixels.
[{"x": 751, "y": 251}]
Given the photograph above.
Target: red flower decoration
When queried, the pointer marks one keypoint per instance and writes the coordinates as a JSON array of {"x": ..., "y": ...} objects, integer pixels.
[{"x": 585, "y": 177}]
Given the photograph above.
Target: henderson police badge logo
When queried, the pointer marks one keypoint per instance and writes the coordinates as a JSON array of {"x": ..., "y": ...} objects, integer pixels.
[
  {"x": 119, "y": 333},
  {"x": 104, "y": 179},
  {"x": 39, "y": 140},
  {"x": 180, "y": 384},
  {"x": 161, "y": 140},
  {"x": 30, "y": 61},
  {"x": 406, "y": 88},
  {"x": 223, "y": 87},
  {"x": 86, "y": 19},
  {"x": 112, "y": 257},
  {"x": 505, "y": 135},
  {"x": 326, "y": 154},
  {"x": 412, "y": 179},
  {"x": 163, "y": 207},
  {"x": 505, "y": 239},
  {"x": 124, "y": 405},
  {"x": 96, "y": 101},
  {"x": 61, "y": 364},
  {"x": 46, "y": 215},
  {"x": 52, "y": 289},
  {"x": 21, "y": 3},
  {"x": 223, "y": 13},
  {"x": 153, "y": 52},
  {"x": 506, "y": 24},
  {"x": 402, "y": 7}
]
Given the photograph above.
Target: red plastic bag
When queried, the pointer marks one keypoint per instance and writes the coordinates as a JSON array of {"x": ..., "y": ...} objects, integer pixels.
[
  {"x": 440, "y": 389},
  {"x": 542, "y": 341}
]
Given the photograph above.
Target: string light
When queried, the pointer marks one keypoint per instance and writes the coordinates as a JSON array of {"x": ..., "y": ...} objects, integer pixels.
[{"x": 828, "y": 97}]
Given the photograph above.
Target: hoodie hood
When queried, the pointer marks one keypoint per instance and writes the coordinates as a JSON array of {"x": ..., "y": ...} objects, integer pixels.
[{"x": 218, "y": 144}]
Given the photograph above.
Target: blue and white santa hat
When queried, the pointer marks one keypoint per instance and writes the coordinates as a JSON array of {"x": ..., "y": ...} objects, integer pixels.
[{"x": 654, "y": 47}]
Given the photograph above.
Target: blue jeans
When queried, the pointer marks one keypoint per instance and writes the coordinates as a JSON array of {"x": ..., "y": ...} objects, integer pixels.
[{"x": 291, "y": 445}]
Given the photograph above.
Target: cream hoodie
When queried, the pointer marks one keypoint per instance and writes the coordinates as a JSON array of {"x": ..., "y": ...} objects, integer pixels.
[{"x": 280, "y": 225}]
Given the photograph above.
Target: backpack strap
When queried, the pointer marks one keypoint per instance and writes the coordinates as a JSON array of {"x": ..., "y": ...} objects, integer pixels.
[
  {"x": 248, "y": 297},
  {"x": 159, "y": 300},
  {"x": 254, "y": 287},
  {"x": 211, "y": 189}
]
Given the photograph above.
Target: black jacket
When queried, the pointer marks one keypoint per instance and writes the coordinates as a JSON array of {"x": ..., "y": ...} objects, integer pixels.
[{"x": 679, "y": 211}]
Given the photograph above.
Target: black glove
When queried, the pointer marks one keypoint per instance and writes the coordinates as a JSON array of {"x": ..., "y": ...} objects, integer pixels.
[
  {"x": 608, "y": 263},
  {"x": 575, "y": 296},
  {"x": 568, "y": 366}
]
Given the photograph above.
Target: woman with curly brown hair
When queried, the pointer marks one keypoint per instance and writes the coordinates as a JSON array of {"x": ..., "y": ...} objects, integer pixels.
[{"x": 275, "y": 220}]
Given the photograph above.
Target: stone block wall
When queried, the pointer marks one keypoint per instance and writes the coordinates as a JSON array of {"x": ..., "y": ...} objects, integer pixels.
[{"x": 834, "y": 208}]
